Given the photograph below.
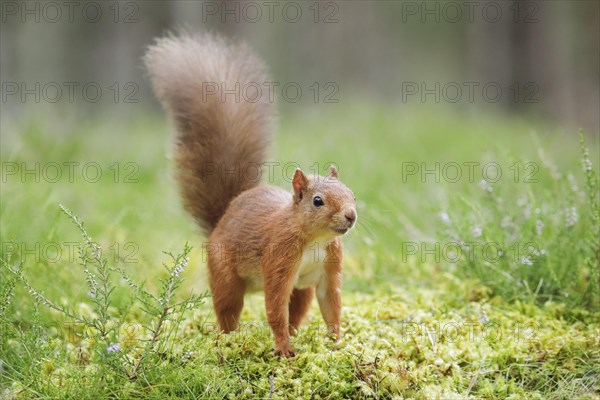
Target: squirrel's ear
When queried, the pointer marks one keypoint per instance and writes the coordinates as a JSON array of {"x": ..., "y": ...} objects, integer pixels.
[
  {"x": 333, "y": 172},
  {"x": 299, "y": 183}
]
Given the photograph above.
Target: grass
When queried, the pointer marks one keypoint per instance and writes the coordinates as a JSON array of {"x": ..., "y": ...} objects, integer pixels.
[{"x": 470, "y": 287}]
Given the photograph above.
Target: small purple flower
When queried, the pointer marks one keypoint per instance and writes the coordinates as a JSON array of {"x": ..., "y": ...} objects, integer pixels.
[
  {"x": 485, "y": 185},
  {"x": 445, "y": 218},
  {"x": 526, "y": 260},
  {"x": 571, "y": 216},
  {"x": 180, "y": 266},
  {"x": 539, "y": 227},
  {"x": 113, "y": 348}
]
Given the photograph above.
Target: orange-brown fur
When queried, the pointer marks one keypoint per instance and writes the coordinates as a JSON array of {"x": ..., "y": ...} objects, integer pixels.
[{"x": 261, "y": 237}]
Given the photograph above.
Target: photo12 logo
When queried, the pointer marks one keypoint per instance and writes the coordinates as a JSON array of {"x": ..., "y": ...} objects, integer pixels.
[
  {"x": 253, "y": 92},
  {"x": 326, "y": 12},
  {"x": 126, "y": 12},
  {"x": 469, "y": 92},
  {"x": 525, "y": 254},
  {"x": 466, "y": 331},
  {"x": 485, "y": 173},
  {"x": 453, "y": 12},
  {"x": 70, "y": 92},
  {"x": 69, "y": 252},
  {"x": 68, "y": 172},
  {"x": 270, "y": 171}
]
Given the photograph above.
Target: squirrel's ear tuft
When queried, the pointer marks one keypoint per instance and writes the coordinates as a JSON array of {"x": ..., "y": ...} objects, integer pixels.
[
  {"x": 299, "y": 183},
  {"x": 333, "y": 172}
]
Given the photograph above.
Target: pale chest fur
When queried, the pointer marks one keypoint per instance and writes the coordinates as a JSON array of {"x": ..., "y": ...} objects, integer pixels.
[{"x": 311, "y": 269}]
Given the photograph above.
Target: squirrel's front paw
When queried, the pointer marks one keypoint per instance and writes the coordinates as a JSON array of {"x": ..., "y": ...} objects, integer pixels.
[
  {"x": 334, "y": 333},
  {"x": 285, "y": 351}
]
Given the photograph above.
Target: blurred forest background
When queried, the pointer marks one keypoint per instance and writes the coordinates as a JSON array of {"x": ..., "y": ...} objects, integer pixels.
[{"x": 544, "y": 55}]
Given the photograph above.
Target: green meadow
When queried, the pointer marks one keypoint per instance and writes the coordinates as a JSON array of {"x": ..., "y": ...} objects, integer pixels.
[{"x": 473, "y": 271}]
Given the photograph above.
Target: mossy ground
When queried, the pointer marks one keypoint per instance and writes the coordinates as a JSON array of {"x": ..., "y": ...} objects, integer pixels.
[{"x": 418, "y": 343}]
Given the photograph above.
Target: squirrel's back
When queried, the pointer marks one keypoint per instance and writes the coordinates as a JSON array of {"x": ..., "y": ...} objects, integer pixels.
[{"x": 224, "y": 126}]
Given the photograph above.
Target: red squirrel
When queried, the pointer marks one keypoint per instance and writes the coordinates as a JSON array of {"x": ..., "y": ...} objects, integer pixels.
[{"x": 259, "y": 237}]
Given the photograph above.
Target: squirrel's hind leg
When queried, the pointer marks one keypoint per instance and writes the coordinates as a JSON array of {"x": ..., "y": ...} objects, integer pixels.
[
  {"x": 299, "y": 305},
  {"x": 228, "y": 298}
]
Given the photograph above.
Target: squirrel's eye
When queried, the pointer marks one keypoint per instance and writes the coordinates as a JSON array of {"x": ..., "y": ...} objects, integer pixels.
[{"x": 318, "y": 201}]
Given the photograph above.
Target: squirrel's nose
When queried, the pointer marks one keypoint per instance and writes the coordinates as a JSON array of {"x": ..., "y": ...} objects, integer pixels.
[{"x": 350, "y": 216}]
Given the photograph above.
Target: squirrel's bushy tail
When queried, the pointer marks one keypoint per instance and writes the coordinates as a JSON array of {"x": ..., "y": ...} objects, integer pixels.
[{"x": 224, "y": 125}]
